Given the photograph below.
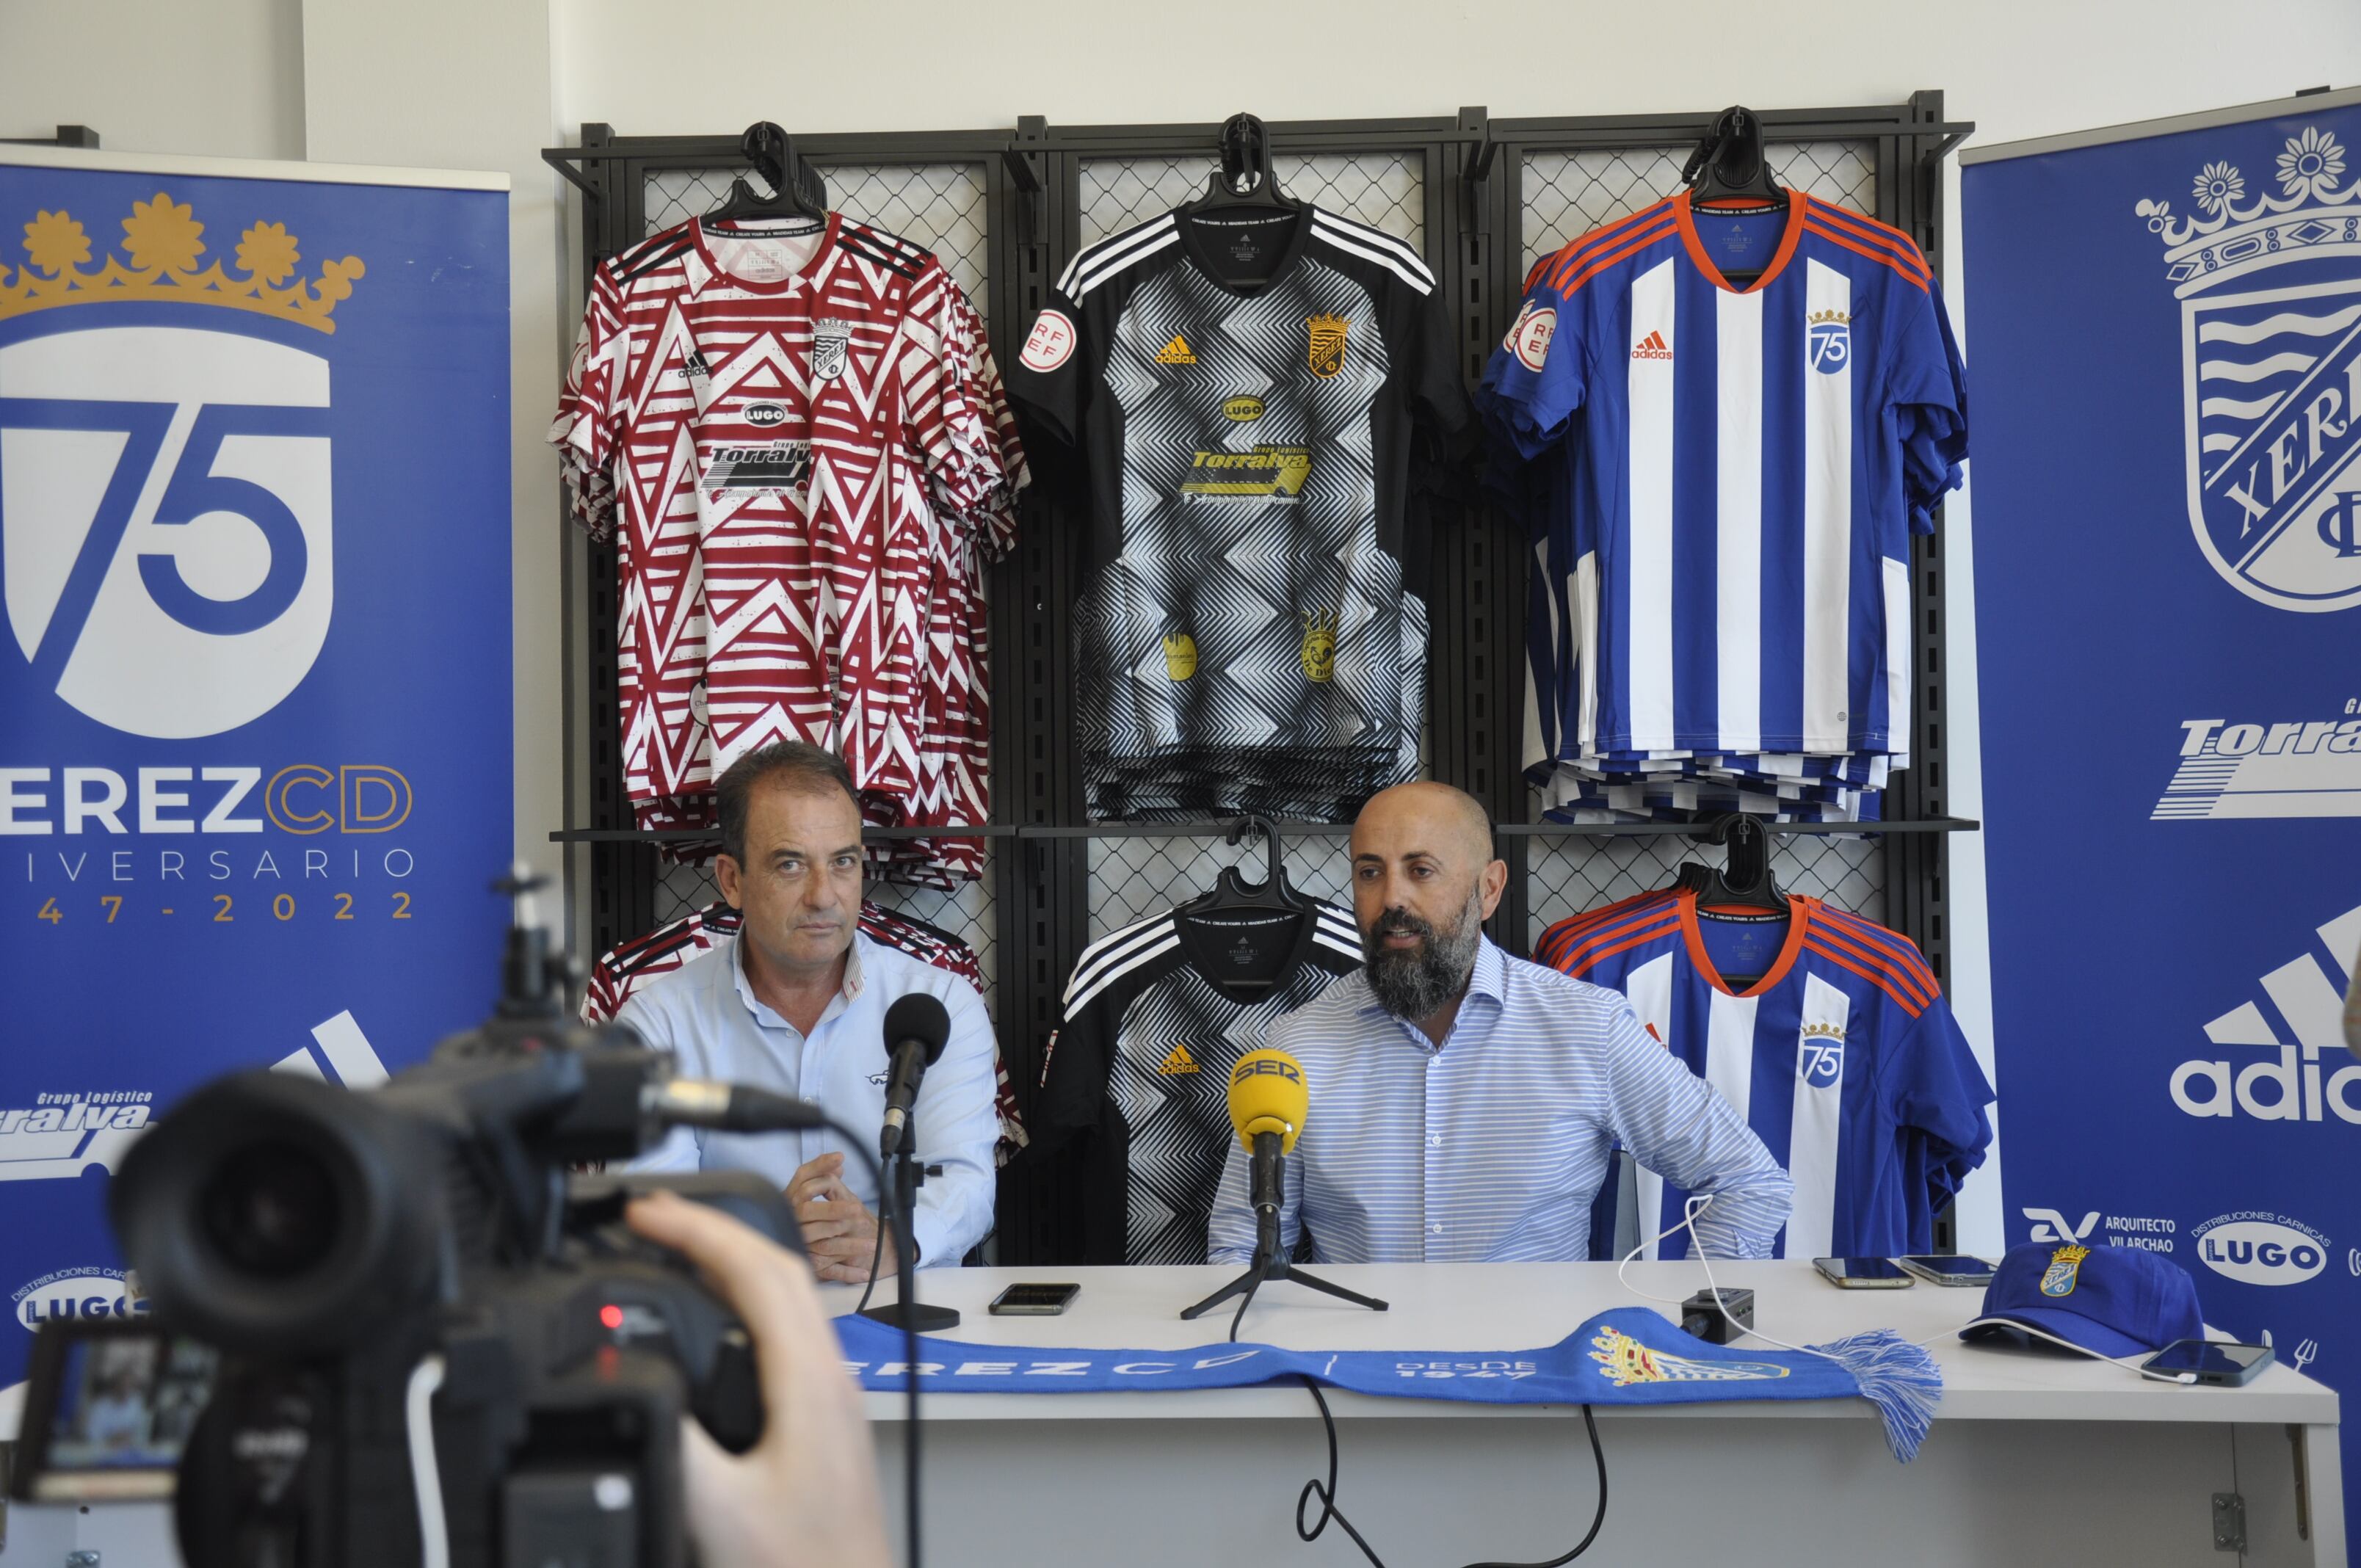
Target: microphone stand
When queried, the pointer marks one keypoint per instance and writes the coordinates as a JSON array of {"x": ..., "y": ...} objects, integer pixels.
[
  {"x": 907, "y": 1310},
  {"x": 1270, "y": 1262}
]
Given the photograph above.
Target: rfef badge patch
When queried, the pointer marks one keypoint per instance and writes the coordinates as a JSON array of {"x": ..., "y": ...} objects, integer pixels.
[
  {"x": 1528, "y": 340},
  {"x": 1050, "y": 342}
]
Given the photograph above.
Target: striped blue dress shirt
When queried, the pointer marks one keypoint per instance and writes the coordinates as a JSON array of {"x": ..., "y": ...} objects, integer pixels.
[{"x": 1491, "y": 1148}]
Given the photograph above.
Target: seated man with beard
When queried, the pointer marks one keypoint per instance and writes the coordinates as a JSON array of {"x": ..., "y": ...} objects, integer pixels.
[{"x": 1464, "y": 1103}]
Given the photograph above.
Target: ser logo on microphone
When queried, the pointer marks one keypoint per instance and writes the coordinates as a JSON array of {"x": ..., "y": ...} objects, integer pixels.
[{"x": 1265, "y": 1066}]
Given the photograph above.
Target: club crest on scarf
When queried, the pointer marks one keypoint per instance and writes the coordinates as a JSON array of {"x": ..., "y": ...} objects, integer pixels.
[{"x": 1624, "y": 1361}]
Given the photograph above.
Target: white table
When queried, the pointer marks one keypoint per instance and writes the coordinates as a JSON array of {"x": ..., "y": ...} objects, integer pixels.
[{"x": 2033, "y": 1458}]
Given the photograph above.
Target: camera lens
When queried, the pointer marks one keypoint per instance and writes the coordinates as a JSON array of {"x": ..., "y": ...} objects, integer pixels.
[{"x": 269, "y": 1210}]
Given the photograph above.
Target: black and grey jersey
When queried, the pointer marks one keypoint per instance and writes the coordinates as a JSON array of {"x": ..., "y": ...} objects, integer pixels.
[
  {"x": 1138, "y": 1072},
  {"x": 1248, "y": 456}
]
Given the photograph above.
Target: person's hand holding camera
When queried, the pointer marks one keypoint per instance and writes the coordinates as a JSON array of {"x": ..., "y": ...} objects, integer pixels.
[{"x": 807, "y": 1492}]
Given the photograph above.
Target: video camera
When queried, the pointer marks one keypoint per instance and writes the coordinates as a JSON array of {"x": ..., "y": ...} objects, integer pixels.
[{"x": 393, "y": 1328}]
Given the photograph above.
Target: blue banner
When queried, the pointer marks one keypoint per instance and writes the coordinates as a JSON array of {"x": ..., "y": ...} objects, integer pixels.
[
  {"x": 255, "y": 773},
  {"x": 1628, "y": 1357},
  {"x": 2164, "y": 334}
]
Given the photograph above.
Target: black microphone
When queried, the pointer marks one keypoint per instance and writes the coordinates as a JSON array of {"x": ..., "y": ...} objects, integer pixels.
[{"x": 915, "y": 1027}]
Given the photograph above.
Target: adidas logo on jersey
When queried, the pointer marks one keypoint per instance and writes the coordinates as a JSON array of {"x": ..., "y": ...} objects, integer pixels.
[
  {"x": 1651, "y": 347},
  {"x": 1176, "y": 352},
  {"x": 1177, "y": 1062},
  {"x": 2301, "y": 1081}
]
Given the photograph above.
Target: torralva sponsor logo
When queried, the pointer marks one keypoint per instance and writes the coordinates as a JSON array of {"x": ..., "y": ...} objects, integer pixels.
[
  {"x": 2257, "y": 1248},
  {"x": 76, "y": 1293}
]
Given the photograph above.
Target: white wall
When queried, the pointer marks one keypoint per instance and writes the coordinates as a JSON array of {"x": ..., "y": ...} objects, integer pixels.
[{"x": 220, "y": 77}]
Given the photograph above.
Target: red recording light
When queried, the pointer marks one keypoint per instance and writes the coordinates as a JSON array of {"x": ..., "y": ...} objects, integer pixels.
[{"x": 611, "y": 1315}]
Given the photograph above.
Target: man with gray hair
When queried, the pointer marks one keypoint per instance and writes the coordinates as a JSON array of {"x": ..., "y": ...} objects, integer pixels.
[{"x": 1465, "y": 1104}]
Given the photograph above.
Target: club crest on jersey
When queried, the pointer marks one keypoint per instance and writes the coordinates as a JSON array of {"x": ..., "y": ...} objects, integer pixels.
[
  {"x": 1529, "y": 339},
  {"x": 2269, "y": 373},
  {"x": 1828, "y": 340},
  {"x": 1050, "y": 342},
  {"x": 2065, "y": 1269},
  {"x": 1179, "y": 655},
  {"x": 1319, "y": 651},
  {"x": 117, "y": 421},
  {"x": 830, "y": 335},
  {"x": 1327, "y": 342},
  {"x": 1820, "y": 1054}
]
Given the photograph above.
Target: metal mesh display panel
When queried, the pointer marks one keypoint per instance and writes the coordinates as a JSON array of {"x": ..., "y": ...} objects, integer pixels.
[
  {"x": 1383, "y": 190},
  {"x": 939, "y": 205},
  {"x": 1567, "y": 876},
  {"x": 1568, "y": 194},
  {"x": 942, "y": 207},
  {"x": 1132, "y": 879}
]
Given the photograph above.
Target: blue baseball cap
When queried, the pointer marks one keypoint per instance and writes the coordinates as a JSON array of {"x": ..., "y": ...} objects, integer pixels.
[{"x": 2108, "y": 1301}]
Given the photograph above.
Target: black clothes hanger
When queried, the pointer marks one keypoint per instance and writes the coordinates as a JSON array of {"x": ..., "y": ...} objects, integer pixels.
[
  {"x": 795, "y": 189},
  {"x": 1745, "y": 881},
  {"x": 1256, "y": 963},
  {"x": 1244, "y": 181},
  {"x": 1728, "y": 165},
  {"x": 1231, "y": 891}
]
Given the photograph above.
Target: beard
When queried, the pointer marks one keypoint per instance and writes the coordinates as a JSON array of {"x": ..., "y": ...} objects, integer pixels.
[{"x": 1418, "y": 983}]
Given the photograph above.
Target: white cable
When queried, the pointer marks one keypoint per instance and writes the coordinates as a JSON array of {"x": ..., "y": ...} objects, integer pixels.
[
  {"x": 434, "y": 1545},
  {"x": 2130, "y": 1363}
]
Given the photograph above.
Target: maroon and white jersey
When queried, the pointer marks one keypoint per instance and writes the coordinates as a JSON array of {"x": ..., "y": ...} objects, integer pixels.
[
  {"x": 794, "y": 439},
  {"x": 627, "y": 966}
]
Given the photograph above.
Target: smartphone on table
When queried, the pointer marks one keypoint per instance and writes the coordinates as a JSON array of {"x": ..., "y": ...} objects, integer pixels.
[
  {"x": 1863, "y": 1273},
  {"x": 1940, "y": 1268},
  {"x": 1033, "y": 1300},
  {"x": 2212, "y": 1362}
]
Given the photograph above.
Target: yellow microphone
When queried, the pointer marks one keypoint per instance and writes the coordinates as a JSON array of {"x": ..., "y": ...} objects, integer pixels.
[{"x": 1267, "y": 1095}]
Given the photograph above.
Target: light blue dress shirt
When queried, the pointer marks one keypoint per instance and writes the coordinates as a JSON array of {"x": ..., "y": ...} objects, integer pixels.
[
  {"x": 1491, "y": 1148},
  {"x": 707, "y": 1016}
]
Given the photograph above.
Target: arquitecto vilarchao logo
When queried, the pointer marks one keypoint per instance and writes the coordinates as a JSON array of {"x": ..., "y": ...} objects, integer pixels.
[
  {"x": 165, "y": 495},
  {"x": 2270, "y": 349}
]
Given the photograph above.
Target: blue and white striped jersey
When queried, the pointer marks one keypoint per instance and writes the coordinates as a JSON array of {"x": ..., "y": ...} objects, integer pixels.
[
  {"x": 1843, "y": 1057},
  {"x": 1728, "y": 478}
]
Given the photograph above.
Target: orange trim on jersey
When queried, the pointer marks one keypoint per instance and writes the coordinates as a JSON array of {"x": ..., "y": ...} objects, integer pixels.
[
  {"x": 1800, "y": 920},
  {"x": 1901, "y": 998},
  {"x": 1922, "y": 986},
  {"x": 1590, "y": 918},
  {"x": 1789, "y": 238},
  {"x": 1895, "y": 946},
  {"x": 1582, "y": 947},
  {"x": 1569, "y": 256},
  {"x": 1876, "y": 232},
  {"x": 1594, "y": 267},
  {"x": 1638, "y": 939},
  {"x": 1834, "y": 237},
  {"x": 1833, "y": 945}
]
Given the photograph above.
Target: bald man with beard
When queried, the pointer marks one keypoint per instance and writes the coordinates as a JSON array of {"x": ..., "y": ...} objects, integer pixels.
[{"x": 1465, "y": 1104}]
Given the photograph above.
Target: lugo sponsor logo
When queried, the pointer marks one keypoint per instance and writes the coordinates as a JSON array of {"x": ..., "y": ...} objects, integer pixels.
[
  {"x": 76, "y": 1293},
  {"x": 2307, "y": 1076},
  {"x": 2261, "y": 1249}
]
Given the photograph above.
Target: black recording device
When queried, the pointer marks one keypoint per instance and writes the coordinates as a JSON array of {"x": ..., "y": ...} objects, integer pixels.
[
  {"x": 1718, "y": 1322},
  {"x": 391, "y": 1327}
]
